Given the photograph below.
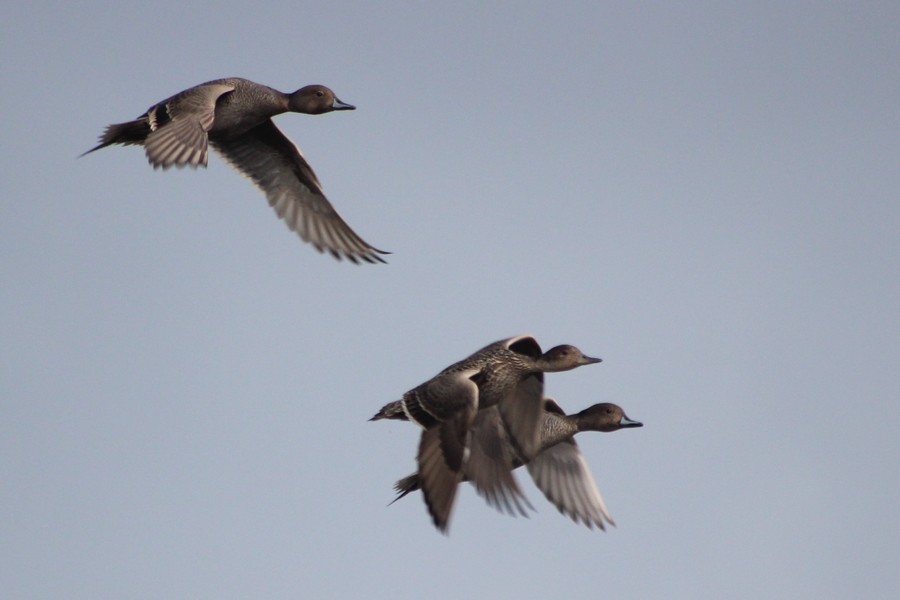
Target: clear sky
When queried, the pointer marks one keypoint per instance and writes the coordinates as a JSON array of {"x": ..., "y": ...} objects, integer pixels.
[{"x": 705, "y": 196}]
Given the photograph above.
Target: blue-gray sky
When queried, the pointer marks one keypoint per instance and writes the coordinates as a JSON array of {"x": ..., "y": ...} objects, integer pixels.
[{"x": 705, "y": 195}]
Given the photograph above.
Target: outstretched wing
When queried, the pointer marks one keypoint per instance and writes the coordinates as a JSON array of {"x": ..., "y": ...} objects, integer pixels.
[
  {"x": 562, "y": 474},
  {"x": 278, "y": 168},
  {"x": 179, "y": 126}
]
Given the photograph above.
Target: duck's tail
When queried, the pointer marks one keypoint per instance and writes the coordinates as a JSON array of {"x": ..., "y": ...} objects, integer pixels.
[
  {"x": 391, "y": 410},
  {"x": 127, "y": 134},
  {"x": 408, "y": 484}
]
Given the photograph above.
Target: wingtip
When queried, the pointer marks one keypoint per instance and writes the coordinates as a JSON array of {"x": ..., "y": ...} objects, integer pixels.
[
  {"x": 357, "y": 258},
  {"x": 443, "y": 528},
  {"x": 371, "y": 257}
]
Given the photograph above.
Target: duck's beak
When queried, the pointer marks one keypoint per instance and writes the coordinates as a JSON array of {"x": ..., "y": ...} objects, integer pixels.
[
  {"x": 338, "y": 105},
  {"x": 589, "y": 360},
  {"x": 626, "y": 422}
]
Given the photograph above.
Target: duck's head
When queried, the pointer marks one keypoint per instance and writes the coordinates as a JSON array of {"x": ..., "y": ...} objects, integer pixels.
[
  {"x": 315, "y": 100},
  {"x": 604, "y": 417},
  {"x": 565, "y": 358}
]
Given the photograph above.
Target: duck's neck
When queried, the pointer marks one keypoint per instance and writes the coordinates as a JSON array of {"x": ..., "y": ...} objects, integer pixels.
[
  {"x": 557, "y": 428},
  {"x": 550, "y": 366}
]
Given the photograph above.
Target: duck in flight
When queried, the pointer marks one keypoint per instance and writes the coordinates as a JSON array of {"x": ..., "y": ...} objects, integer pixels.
[
  {"x": 235, "y": 116},
  {"x": 507, "y": 375},
  {"x": 558, "y": 468}
]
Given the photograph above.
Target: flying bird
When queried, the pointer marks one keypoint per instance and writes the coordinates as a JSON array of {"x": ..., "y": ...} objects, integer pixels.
[
  {"x": 558, "y": 469},
  {"x": 508, "y": 375},
  {"x": 235, "y": 116}
]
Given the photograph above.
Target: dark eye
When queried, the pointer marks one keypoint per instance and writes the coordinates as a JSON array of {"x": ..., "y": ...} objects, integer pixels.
[{"x": 320, "y": 93}]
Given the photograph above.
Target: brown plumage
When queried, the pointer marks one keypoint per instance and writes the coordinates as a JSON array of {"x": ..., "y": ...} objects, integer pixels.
[
  {"x": 558, "y": 469},
  {"x": 507, "y": 375},
  {"x": 235, "y": 116}
]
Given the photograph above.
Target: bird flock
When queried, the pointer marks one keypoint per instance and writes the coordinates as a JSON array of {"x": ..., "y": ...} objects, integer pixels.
[{"x": 483, "y": 416}]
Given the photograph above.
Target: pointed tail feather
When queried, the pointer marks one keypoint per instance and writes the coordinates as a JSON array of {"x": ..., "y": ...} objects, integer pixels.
[
  {"x": 391, "y": 410},
  {"x": 408, "y": 484},
  {"x": 130, "y": 133}
]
